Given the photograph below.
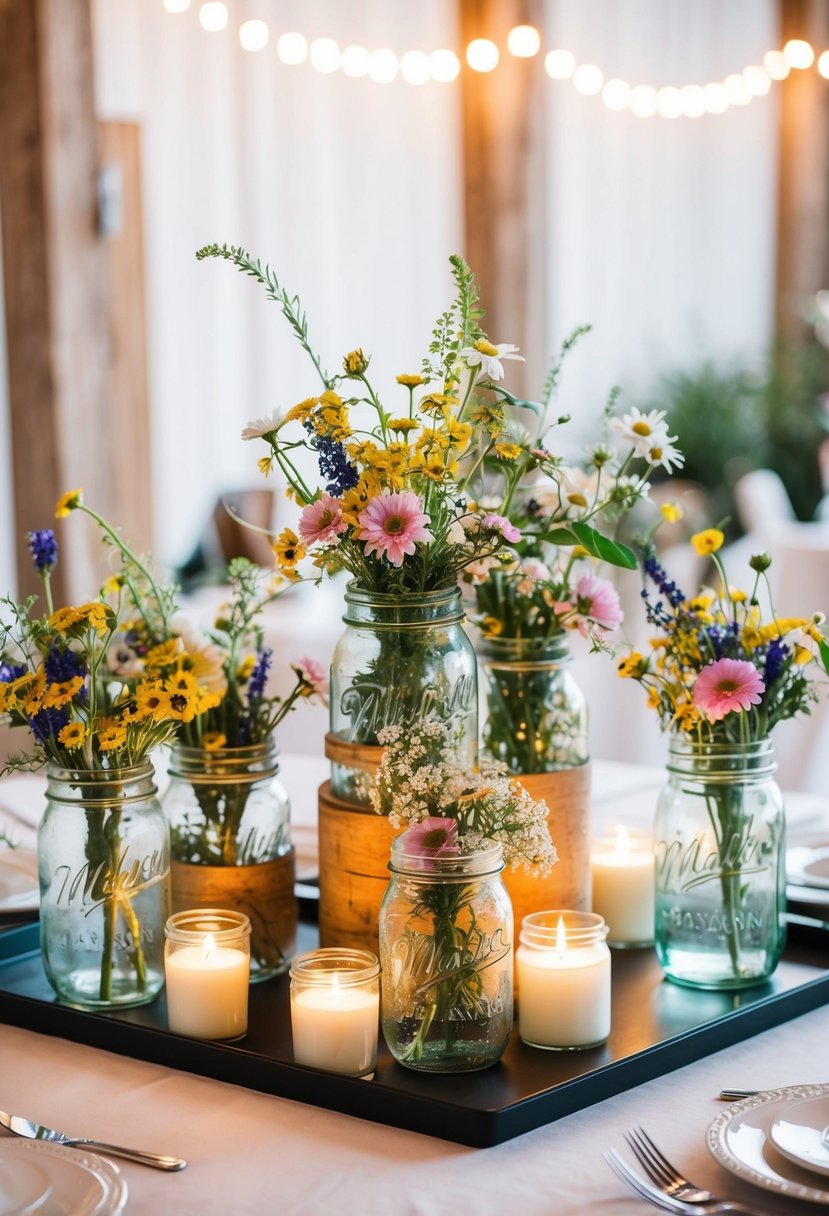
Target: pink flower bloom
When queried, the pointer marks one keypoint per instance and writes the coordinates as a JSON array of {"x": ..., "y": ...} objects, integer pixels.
[
  {"x": 322, "y": 520},
  {"x": 393, "y": 523},
  {"x": 726, "y": 686},
  {"x": 598, "y": 600},
  {"x": 314, "y": 676},
  {"x": 432, "y": 837},
  {"x": 500, "y": 523}
]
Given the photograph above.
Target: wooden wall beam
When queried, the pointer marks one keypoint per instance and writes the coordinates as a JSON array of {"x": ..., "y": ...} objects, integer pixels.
[
  {"x": 504, "y": 195},
  {"x": 55, "y": 279},
  {"x": 803, "y": 190}
]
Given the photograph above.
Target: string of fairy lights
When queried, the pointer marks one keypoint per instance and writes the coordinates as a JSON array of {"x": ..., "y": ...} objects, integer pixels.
[{"x": 417, "y": 67}]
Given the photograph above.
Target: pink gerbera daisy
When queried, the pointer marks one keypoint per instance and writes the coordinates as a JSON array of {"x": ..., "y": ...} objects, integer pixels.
[
  {"x": 500, "y": 523},
  {"x": 598, "y": 600},
  {"x": 726, "y": 686},
  {"x": 393, "y": 523},
  {"x": 432, "y": 837},
  {"x": 322, "y": 520},
  {"x": 313, "y": 676}
]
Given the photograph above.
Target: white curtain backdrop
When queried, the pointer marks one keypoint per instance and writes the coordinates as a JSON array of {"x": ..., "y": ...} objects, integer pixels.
[{"x": 350, "y": 189}]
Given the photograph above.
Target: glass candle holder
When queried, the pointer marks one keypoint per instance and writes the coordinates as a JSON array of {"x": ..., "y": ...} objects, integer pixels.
[
  {"x": 623, "y": 888},
  {"x": 335, "y": 1010},
  {"x": 564, "y": 980},
  {"x": 207, "y": 969}
]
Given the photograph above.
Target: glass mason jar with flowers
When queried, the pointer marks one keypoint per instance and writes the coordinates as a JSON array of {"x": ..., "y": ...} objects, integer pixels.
[
  {"x": 99, "y": 685},
  {"x": 446, "y": 924},
  {"x": 721, "y": 676},
  {"x": 229, "y": 813}
]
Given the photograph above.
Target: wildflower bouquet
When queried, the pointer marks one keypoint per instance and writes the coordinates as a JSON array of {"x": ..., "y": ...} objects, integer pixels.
[
  {"x": 229, "y": 747},
  {"x": 98, "y": 685},
  {"x": 532, "y": 594},
  {"x": 448, "y": 964},
  {"x": 721, "y": 673}
]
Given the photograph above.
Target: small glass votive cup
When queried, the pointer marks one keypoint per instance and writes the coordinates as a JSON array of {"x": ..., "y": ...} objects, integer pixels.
[
  {"x": 622, "y": 868},
  {"x": 563, "y": 968},
  {"x": 207, "y": 971},
  {"x": 335, "y": 1010}
]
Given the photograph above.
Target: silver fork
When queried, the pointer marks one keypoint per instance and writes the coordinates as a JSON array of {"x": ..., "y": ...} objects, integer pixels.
[
  {"x": 641, "y": 1187},
  {"x": 661, "y": 1172}
]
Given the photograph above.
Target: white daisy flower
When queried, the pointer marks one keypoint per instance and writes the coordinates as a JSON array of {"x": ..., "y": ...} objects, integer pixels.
[
  {"x": 488, "y": 357},
  {"x": 261, "y": 427},
  {"x": 664, "y": 453},
  {"x": 642, "y": 431}
]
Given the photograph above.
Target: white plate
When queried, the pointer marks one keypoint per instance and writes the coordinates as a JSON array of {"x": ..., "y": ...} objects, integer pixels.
[
  {"x": 739, "y": 1140},
  {"x": 801, "y": 1133},
  {"x": 19, "y": 891},
  {"x": 37, "y": 1177},
  {"x": 807, "y": 865}
]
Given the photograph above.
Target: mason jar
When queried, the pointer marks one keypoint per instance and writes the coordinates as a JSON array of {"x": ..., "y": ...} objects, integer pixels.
[
  {"x": 720, "y": 883},
  {"x": 103, "y": 848},
  {"x": 446, "y": 932},
  {"x": 401, "y": 660}
]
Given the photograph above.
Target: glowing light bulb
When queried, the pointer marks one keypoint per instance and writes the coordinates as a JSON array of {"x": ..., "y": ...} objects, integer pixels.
[
  {"x": 588, "y": 79},
  {"x": 757, "y": 79},
  {"x": 823, "y": 64},
  {"x": 253, "y": 35},
  {"x": 213, "y": 16},
  {"x": 176, "y": 6},
  {"x": 776, "y": 65},
  {"x": 292, "y": 48},
  {"x": 643, "y": 101},
  {"x": 559, "y": 64},
  {"x": 354, "y": 61},
  {"x": 482, "y": 55},
  {"x": 383, "y": 66},
  {"x": 716, "y": 98},
  {"x": 616, "y": 94},
  {"x": 669, "y": 102},
  {"x": 414, "y": 67},
  {"x": 324, "y": 55},
  {"x": 444, "y": 66},
  {"x": 692, "y": 97},
  {"x": 798, "y": 53},
  {"x": 523, "y": 41},
  {"x": 737, "y": 90}
]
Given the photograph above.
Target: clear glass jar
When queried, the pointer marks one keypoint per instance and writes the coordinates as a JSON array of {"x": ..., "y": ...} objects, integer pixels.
[
  {"x": 227, "y": 807},
  {"x": 231, "y": 844},
  {"x": 720, "y": 865},
  {"x": 103, "y": 849},
  {"x": 446, "y": 955},
  {"x": 563, "y": 966},
  {"x": 207, "y": 965},
  {"x": 401, "y": 660},
  {"x": 534, "y": 715},
  {"x": 335, "y": 1010}
]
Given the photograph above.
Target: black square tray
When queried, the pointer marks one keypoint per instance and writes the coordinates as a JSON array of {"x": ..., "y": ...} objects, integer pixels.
[{"x": 657, "y": 1027}]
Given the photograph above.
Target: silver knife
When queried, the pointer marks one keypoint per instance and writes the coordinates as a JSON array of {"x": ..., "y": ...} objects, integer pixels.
[{"x": 36, "y": 1131}]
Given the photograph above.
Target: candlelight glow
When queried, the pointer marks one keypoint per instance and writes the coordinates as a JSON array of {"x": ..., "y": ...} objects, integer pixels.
[
  {"x": 561, "y": 936},
  {"x": 622, "y": 841},
  {"x": 208, "y": 947}
]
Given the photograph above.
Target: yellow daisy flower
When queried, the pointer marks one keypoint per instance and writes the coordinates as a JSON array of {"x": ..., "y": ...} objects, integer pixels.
[
  {"x": 288, "y": 549},
  {"x": 57, "y": 695},
  {"x": 708, "y": 541},
  {"x": 64, "y": 619},
  {"x": 630, "y": 664},
  {"x": 151, "y": 701},
  {"x": 671, "y": 512},
  {"x": 113, "y": 585},
  {"x": 508, "y": 451},
  {"x": 183, "y": 707},
  {"x": 68, "y": 502},
  {"x": 213, "y": 740},
  {"x": 302, "y": 412},
  {"x": 410, "y": 381},
  {"x": 72, "y": 735},
  {"x": 402, "y": 425},
  {"x": 355, "y": 363},
  {"x": 182, "y": 681},
  {"x": 163, "y": 654},
  {"x": 654, "y": 699},
  {"x": 112, "y": 733},
  {"x": 491, "y": 627}
]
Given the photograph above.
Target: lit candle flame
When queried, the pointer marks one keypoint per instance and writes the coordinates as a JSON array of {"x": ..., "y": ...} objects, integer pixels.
[
  {"x": 335, "y": 986},
  {"x": 209, "y": 946},
  {"x": 561, "y": 936},
  {"x": 622, "y": 841}
]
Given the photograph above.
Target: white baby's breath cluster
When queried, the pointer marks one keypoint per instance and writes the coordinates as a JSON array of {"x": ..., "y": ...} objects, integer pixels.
[{"x": 419, "y": 777}]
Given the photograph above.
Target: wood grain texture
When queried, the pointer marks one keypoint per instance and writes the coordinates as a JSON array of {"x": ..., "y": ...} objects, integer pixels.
[
  {"x": 502, "y": 114},
  {"x": 803, "y": 184},
  {"x": 354, "y": 850}
]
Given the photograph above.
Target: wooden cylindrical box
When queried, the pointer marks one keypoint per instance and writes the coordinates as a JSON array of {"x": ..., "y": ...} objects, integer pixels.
[
  {"x": 354, "y": 849},
  {"x": 264, "y": 892}
]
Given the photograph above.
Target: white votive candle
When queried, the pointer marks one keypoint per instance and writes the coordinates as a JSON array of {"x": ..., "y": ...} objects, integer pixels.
[
  {"x": 207, "y": 970},
  {"x": 335, "y": 1010},
  {"x": 564, "y": 980},
  {"x": 623, "y": 888}
]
